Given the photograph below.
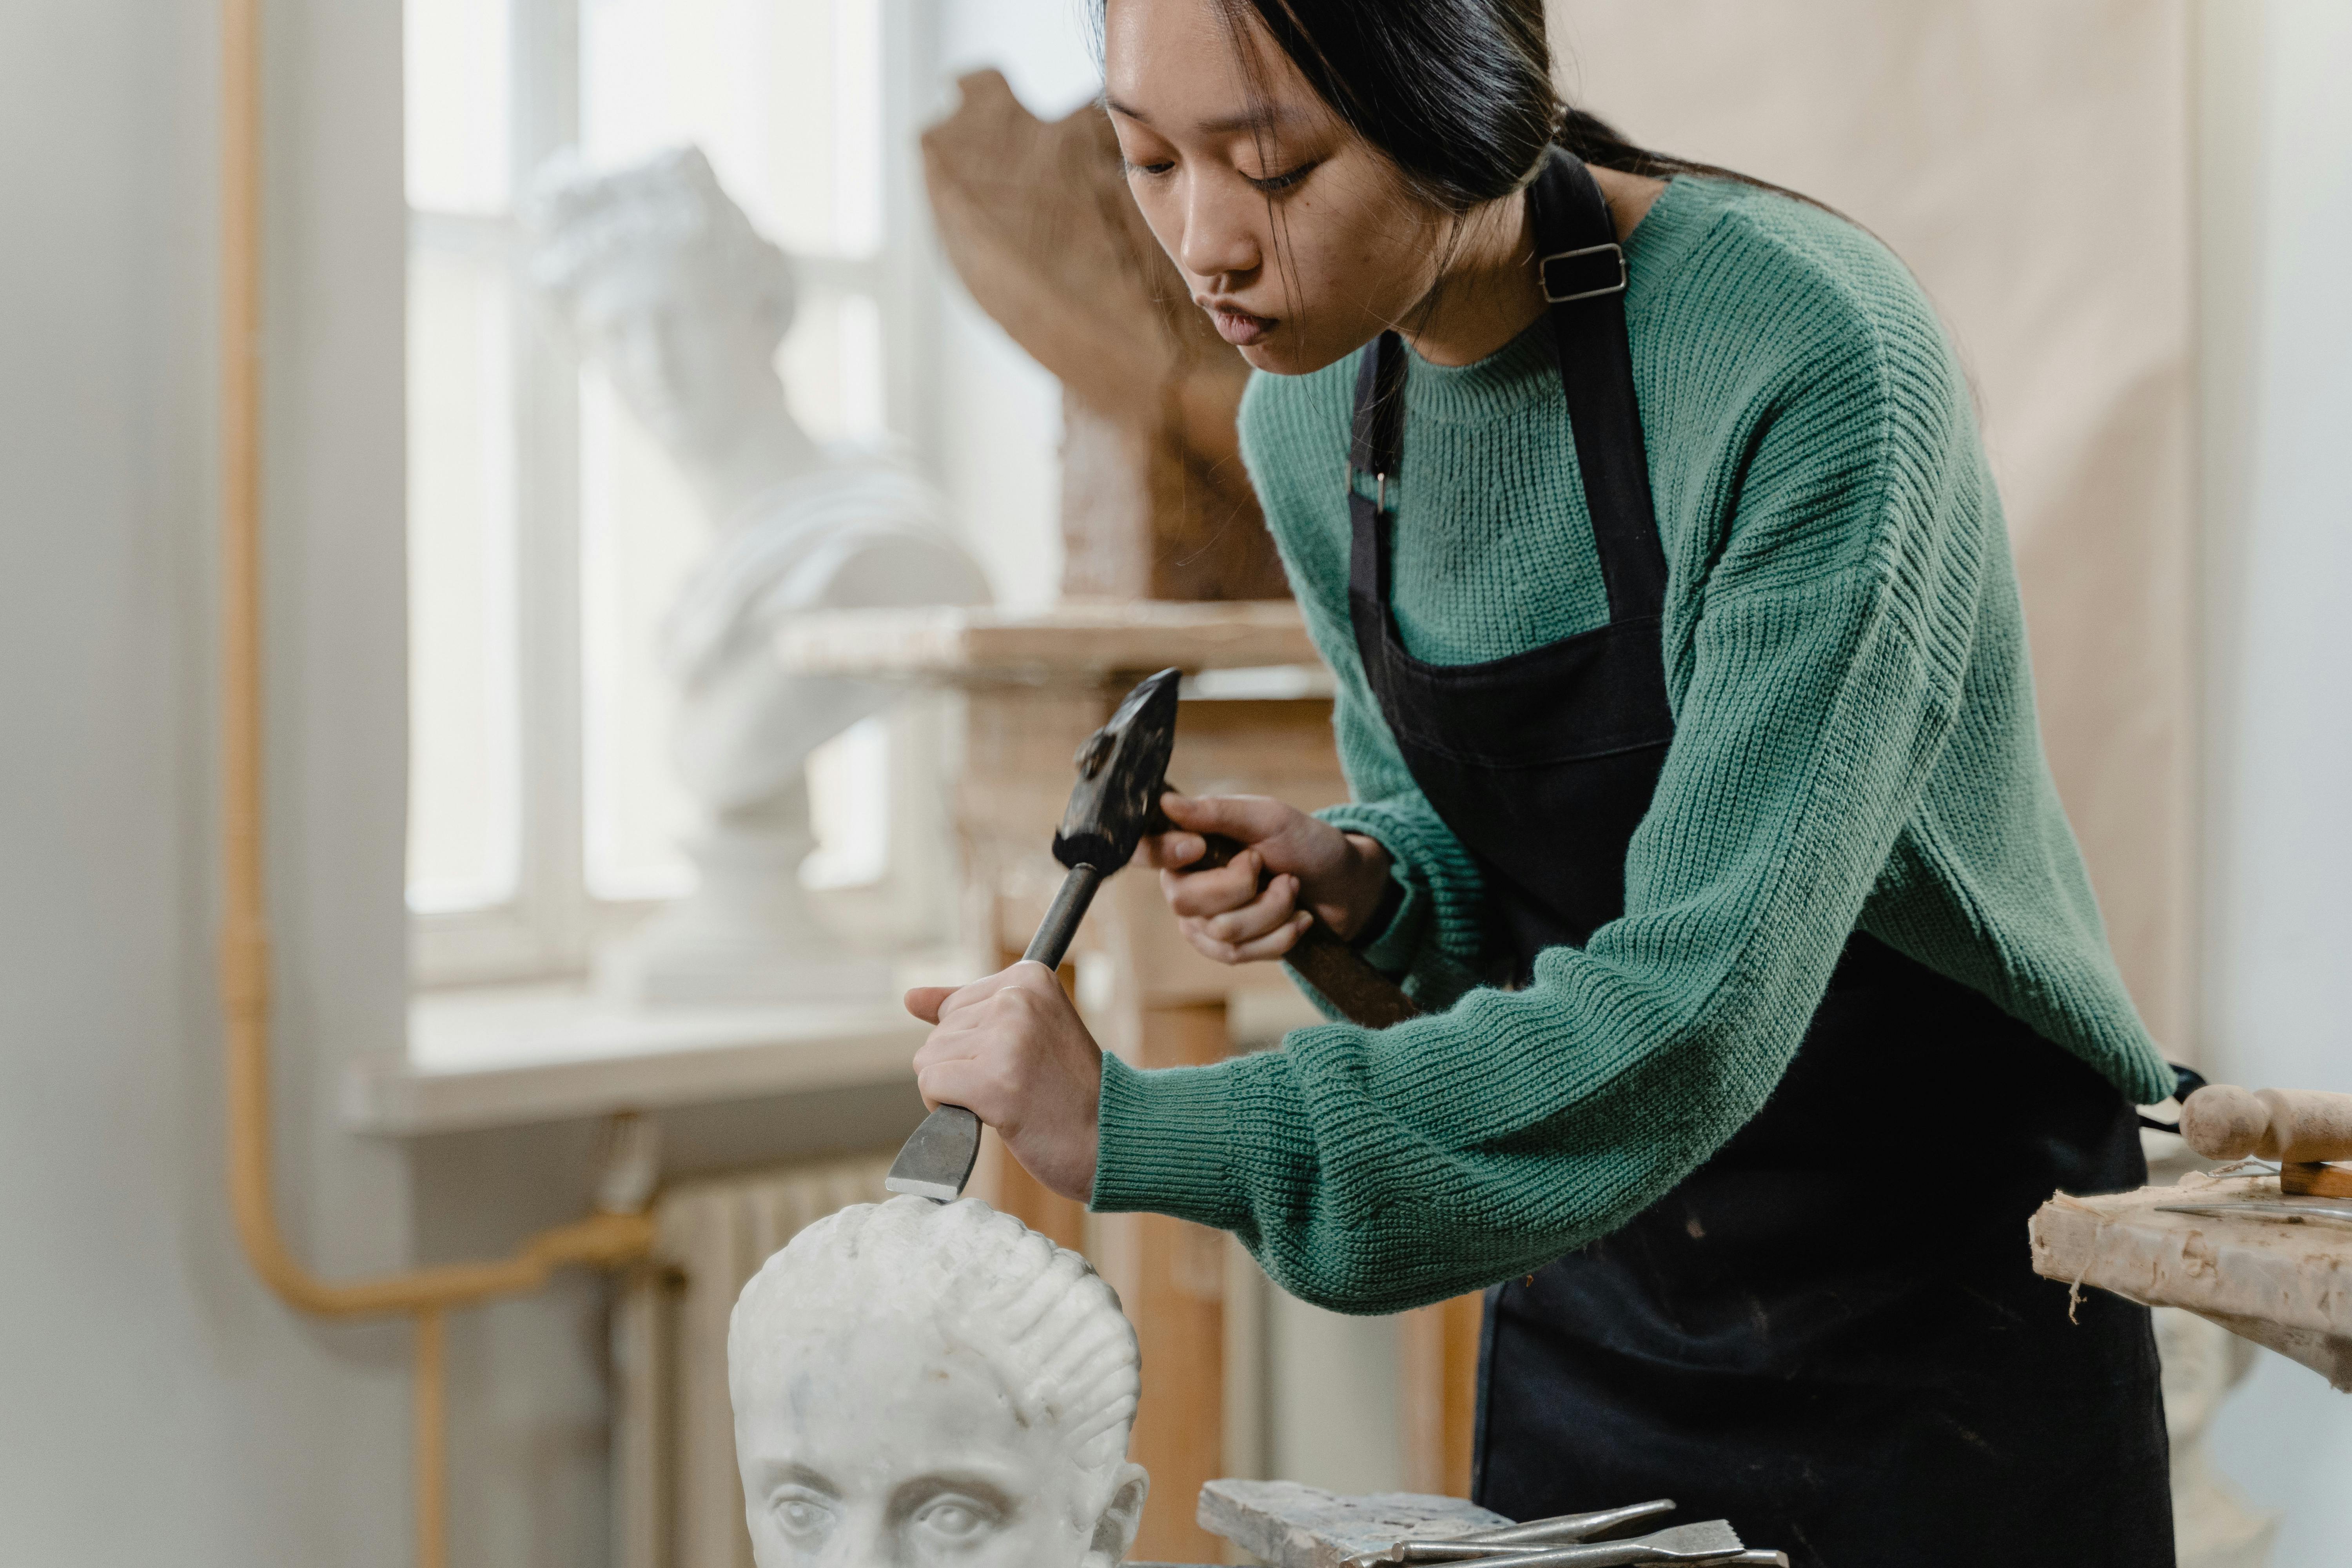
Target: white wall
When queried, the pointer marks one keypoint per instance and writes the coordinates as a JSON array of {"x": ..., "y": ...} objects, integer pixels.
[
  {"x": 154, "y": 1403},
  {"x": 2276, "y": 181},
  {"x": 1000, "y": 419}
]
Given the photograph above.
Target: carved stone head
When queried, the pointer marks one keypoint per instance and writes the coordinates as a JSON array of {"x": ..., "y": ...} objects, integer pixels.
[
  {"x": 669, "y": 286},
  {"x": 918, "y": 1382}
]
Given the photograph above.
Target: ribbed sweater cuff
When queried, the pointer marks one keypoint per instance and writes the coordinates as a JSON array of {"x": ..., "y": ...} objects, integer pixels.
[
  {"x": 1428, "y": 859},
  {"x": 1165, "y": 1144}
]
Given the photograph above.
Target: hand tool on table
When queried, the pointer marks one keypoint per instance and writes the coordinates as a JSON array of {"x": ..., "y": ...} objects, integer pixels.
[
  {"x": 2302, "y": 1129},
  {"x": 1559, "y": 1544},
  {"x": 1115, "y": 804},
  {"x": 1504, "y": 1539},
  {"x": 2288, "y": 1211}
]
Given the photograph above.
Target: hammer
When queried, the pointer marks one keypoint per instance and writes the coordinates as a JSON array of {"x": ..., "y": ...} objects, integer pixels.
[{"x": 1115, "y": 805}]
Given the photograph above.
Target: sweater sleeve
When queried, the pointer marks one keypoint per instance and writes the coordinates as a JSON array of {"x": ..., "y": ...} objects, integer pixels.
[{"x": 1373, "y": 1171}]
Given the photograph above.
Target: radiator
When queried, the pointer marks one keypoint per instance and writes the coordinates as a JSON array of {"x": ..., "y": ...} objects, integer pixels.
[{"x": 677, "y": 1501}]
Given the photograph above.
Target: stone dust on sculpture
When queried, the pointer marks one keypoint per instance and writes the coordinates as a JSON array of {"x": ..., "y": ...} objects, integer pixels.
[
  {"x": 916, "y": 1381},
  {"x": 664, "y": 283}
]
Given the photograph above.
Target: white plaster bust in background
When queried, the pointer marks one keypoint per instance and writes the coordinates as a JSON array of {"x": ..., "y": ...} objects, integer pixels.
[
  {"x": 666, "y": 285},
  {"x": 918, "y": 1382}
]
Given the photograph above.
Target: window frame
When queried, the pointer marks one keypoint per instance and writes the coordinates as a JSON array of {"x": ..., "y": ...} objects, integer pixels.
[{"x": 552, "y": 926}]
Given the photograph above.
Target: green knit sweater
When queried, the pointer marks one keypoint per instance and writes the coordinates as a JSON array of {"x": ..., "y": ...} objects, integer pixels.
[{"x": 1854, "y": 745}]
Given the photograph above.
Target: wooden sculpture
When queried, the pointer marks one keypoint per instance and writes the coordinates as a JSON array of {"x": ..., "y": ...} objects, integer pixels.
[{"x": 1038, "y": 221}]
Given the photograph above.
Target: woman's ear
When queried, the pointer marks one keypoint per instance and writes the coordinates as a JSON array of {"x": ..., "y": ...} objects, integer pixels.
[{"x": 1115, "y": 1530}]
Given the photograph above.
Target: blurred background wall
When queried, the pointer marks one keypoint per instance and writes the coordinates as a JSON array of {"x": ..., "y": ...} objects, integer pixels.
[
  {"x": 156, "y": 1402},
  {"x": 2032, "y": 162},
  {"x": 2274, "y": 197}
]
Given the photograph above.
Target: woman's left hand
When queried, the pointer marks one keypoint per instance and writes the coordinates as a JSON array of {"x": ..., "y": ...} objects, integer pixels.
[{"x": 1011, "y": 1050}]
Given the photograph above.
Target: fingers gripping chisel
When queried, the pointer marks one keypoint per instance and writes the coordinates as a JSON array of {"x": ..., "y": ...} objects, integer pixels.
[{"x": 1122, "y": 773}]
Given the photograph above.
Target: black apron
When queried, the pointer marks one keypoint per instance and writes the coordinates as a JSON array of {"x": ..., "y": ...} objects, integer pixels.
[{"x": 1830, "y": 1334}]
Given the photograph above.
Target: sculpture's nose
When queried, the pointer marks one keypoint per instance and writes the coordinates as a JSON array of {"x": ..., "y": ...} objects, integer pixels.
[{"x": 864, "y": 1540}]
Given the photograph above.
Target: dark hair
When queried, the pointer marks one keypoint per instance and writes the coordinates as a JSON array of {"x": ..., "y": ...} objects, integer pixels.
[{"x": 1457, "y": 93}]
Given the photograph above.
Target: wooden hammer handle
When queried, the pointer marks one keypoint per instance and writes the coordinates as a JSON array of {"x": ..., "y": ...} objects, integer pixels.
[
  {"x": 1327, "y": 964},
  {"x": 2222, "y": 1121}
]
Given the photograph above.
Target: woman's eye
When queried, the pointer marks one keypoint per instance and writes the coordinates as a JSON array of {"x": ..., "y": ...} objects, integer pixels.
[
  {"x": 1283, "y": 181},
  {"x": 800, "y": 1514},
  {"x": 1158, "y": 168},
  {"x": 956, "y": 1520}
]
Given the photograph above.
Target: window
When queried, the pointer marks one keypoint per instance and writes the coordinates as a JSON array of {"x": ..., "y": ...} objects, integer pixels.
[{"x": 548, "y": 533}]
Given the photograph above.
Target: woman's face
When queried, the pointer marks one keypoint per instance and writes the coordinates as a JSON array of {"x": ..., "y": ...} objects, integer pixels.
[{"x": 1298, "y": 239}]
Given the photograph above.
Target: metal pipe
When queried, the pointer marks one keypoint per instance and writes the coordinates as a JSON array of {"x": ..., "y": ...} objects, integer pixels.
[{"x": 601, "y": 1240}]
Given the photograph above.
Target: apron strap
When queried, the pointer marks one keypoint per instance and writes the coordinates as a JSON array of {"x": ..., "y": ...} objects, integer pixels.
[
  {"x": 1584, "y": 279},
  {"x": 1583, "y": 271},
  {"x": 1378, "y": 434}
]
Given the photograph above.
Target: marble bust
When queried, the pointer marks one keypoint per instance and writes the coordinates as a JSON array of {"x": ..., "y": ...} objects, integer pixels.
[
  {"x": 915, "y": 1382},
  {"x": 665, "y": 283}
]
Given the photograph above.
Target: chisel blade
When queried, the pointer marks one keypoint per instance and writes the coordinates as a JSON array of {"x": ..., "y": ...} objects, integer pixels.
[
  {"x": 938, "y": 1159},
  {"x": 1710, "y": 1535}
]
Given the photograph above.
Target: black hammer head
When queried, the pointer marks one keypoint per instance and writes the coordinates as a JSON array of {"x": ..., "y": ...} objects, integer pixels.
[{"x": 1122, "y": 768}]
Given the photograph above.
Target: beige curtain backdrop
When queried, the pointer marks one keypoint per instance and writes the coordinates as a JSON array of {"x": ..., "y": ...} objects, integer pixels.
[{"x": 2031, "y": 160}]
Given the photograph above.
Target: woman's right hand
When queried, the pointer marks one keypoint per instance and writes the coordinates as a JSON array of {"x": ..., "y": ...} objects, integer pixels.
[{"x": 1310, "y": 869}]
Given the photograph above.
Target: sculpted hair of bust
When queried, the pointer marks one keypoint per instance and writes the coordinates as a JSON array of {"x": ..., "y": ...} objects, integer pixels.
[
  {"x": 916, "y": 1382},
  {"x": 669, "y": 287}
]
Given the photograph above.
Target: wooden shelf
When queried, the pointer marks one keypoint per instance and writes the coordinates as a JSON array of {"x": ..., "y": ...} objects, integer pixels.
[{"x": 1072, "y": 642}]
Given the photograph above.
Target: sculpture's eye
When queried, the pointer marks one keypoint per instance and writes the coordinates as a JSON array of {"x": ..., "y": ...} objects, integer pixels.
[
  {"x": 955, "y": 1520},
  {"x": 800, "y": 1513}
]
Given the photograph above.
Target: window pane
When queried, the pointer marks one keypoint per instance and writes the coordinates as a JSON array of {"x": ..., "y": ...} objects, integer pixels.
[
  {"x": 784, "y": 96},
  {"x": 832, "y": 365},
  {"x": 857, "y": 126},
  {"x": 641, "y": 534},
  {"x": 849, "y": 808},
  {"x": 458, "y": 127},
  {"x": 464, "y": 839}
]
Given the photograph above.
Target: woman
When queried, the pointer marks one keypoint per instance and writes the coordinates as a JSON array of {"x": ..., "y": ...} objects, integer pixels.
[{"x": 1640, "y": 512}]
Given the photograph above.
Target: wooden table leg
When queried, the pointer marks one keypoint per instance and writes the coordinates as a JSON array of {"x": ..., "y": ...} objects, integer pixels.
[
  {"x": 1171, "y": 1276},
  {"x": 1438, "y": 1348}
]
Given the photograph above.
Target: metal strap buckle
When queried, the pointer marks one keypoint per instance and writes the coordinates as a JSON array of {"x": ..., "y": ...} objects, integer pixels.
[{"x": 1565, "y": 290}]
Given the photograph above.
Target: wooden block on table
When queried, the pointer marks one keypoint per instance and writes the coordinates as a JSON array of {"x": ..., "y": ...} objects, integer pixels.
[
  {"x": 2316, "y": 1178},
  {"x": 1294, "y": 1526},
  {"x": 2288, "y": 1287}
]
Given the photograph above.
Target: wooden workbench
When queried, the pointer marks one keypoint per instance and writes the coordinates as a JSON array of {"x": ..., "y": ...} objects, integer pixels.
[{"x": 2288, "y": 1287}]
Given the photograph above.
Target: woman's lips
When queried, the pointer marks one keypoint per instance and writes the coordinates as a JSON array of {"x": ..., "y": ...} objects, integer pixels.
[{"x": 1240, "y": 328}]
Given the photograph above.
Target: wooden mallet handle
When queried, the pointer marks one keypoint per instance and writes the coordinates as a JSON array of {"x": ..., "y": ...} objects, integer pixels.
[
  {"x": 2293, "y": 1126},
  {"x": 1327, "y": 964}
]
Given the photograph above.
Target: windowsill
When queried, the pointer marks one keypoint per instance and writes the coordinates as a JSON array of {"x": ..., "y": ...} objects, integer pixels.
[{"x": 506, "y": 1056}]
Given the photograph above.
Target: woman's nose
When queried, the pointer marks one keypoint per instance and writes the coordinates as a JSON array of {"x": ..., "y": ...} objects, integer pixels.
[{"x": 1222, "y": 223}]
